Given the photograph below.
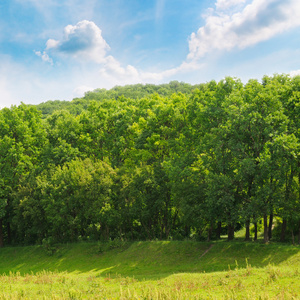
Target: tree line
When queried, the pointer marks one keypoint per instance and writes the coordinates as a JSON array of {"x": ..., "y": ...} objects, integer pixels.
[{"x": 153, "y": 162}]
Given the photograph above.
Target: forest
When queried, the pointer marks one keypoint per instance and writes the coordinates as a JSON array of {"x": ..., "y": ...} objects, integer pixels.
[{"x": 144, "y": 162}]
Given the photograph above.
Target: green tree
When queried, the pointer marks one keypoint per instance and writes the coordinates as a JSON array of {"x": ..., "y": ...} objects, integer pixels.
[
  {"x": 22, "y": 136},
  {"x": 76, "y": 198}
]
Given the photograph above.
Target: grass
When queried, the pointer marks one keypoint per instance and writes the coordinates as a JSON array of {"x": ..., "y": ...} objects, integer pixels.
[{"x": 152, "y": 270}]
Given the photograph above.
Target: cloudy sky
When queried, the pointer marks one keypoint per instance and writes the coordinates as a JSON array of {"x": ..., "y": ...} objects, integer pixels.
[{"x": 59, "y": 49}]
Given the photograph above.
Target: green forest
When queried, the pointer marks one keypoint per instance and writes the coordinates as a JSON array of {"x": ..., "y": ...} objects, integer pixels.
[{"x": 144, "y": 162}]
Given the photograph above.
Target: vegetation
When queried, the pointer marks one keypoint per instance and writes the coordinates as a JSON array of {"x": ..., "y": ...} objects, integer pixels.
[
  {"x": 149, "y": 162},
  {"x": 151, "y": 270}
]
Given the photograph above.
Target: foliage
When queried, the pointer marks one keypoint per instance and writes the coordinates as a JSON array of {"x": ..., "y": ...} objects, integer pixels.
[{"x": 170, "y": 161}]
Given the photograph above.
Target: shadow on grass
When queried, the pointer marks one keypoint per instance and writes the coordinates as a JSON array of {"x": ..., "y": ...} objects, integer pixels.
[{"x": 147, "y": 260}]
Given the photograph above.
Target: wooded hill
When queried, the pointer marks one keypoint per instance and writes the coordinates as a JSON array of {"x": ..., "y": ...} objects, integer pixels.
[{"x": 145, "y": 162}]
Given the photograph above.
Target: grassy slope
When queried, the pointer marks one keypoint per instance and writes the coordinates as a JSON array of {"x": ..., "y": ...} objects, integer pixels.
[
  {"x": 152, "y": 270},
  {"x": 155, "y": 259}
]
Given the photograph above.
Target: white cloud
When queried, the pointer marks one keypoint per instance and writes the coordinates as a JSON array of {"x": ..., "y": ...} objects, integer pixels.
[
  {"x": 295, "y": 73},
  {"x": 83, "y": 40},
  {"x": 233, "y": 24},
  {"x": 51, "y": 44},
  {"x": 45, "y": 57},
  {"x": 114, "y": 68},
  {"x": 79, "y": 91},
  {"x": 114, "y": 72},
  {"x": 185, "y": 67},
  {"x": 258, "y": 21}
]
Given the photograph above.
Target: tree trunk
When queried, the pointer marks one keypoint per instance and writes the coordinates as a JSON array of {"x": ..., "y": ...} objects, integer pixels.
[
  {"x": 270, "y": 226},
  {"x": 187, "y": 231},
  {"x": 7, "y": 225},
  {"x": 171, "y": 225},
  {"x": 1, "y": 234},
  {"x": 161, "y": 231},
  {"x": 266, "y": 229},
  {"x": 283, "y": 230},
  {"x": 218, "y": 230},
  {"x": 210, "y": 230},
  {"x": 230, "y": 232},
  {"x": 255, "y": 231},
  {"x": 106, "y": 232},
  {"x": 8, "y": 234},
  {"x": 247, "y": 237}
]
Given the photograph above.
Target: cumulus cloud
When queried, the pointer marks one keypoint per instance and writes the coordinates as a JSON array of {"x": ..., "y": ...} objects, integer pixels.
[
  {"x": 257, "y": 21},
  {"x": 231, "y": 24},
  {"x": 83, "y": 40},
  {"x": 52, "y": 44},
  {"x": 113, "y": 67},
  {"x": 113, "y": 71},
  {"x": 45, "y": 57}
]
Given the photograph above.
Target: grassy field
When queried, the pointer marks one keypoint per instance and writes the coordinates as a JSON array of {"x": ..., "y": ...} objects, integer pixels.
[{"x": 151, "y": 270}]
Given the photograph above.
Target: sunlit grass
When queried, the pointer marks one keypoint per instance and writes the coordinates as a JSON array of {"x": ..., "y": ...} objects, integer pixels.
[{"x": 152, "y": 270}]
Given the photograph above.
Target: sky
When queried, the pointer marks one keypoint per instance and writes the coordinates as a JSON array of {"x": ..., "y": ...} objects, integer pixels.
[{"x": 60, "y": 49}]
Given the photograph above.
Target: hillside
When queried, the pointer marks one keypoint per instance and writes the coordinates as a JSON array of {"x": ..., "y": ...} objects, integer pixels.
[
  {"x": 144, "y": 259},
  {"x": 147, "y": 270},
  {"x": 135, "y": 91}
]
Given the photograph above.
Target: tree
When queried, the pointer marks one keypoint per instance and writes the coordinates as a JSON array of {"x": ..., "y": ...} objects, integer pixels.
[
  {"x": 75, "y": 198},
  {"x": 22, "y": 137}
]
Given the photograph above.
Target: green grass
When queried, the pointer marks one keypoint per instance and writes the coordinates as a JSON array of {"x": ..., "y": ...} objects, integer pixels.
[{"x": 152, "y": 270}]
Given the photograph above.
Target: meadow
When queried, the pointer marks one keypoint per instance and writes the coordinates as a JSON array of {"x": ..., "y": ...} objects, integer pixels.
[{"x": 151, "y": 270}]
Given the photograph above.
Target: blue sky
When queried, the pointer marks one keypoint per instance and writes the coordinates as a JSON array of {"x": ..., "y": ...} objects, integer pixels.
[{"x": 59, "y": 49}]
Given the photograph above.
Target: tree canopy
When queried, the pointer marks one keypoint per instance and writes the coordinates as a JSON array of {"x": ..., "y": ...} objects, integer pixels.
[{"x": 153, "y": 161}]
